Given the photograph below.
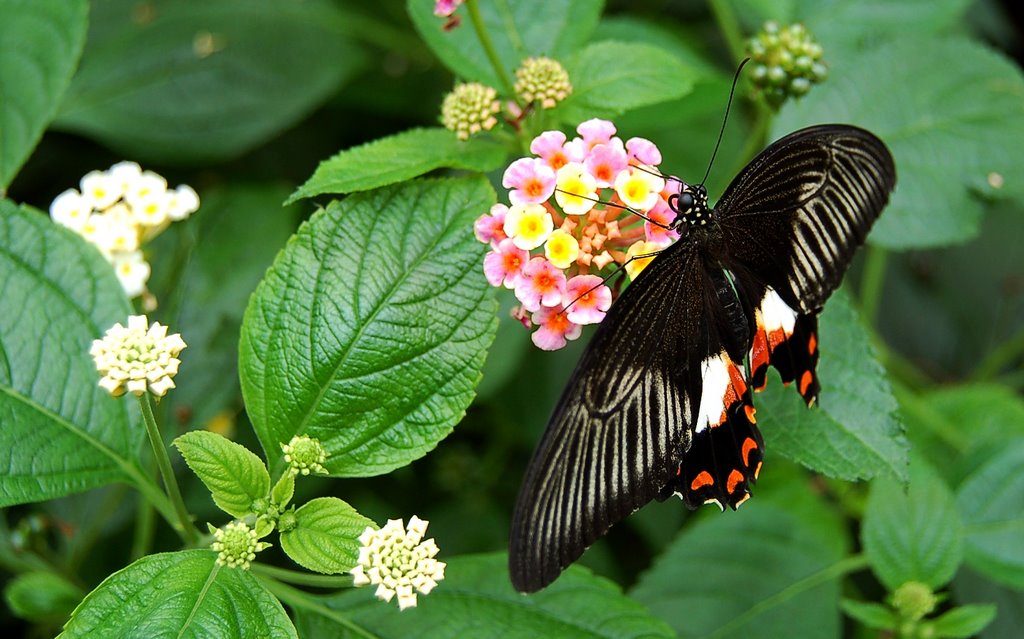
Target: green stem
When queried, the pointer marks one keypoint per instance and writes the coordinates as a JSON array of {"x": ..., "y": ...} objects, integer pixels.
[
  {"x": 729, "y": 25},
  {"x": 845, "y": 565},
  {"x": 163, "y": 462},
  {"x": 295, "y": 598},
  {"x": 145, "y": 521},
  {"x": 758, "y": 137},
  {"x": 999, "y": 357},
  {"x": 485, "y": 41},
  {"x": 872, "y": 282},
  {"x": 303, "y": 578}
]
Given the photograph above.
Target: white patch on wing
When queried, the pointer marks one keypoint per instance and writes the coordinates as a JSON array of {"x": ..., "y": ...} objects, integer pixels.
[
  {"x": 777, "y": 314},
  {"x": 715, "y": 375}
]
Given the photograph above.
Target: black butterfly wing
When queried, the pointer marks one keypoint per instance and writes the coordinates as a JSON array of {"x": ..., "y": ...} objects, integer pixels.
[
  {"x": 618, "y": 433},
  {"x": 796, "y": 214}
]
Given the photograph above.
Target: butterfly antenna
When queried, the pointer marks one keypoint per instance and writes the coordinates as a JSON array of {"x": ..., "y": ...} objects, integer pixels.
[
  {"x": 618, "y": 269},
  {"x": 617, "y": 206},
  {"x": 725, "y": 119}
]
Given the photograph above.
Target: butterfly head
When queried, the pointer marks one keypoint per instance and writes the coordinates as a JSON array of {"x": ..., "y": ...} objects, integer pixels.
[{"x": 690, "y": 205}]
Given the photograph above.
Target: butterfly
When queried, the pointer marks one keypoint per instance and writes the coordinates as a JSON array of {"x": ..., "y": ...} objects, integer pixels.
[{"x": 660, "y": 402}]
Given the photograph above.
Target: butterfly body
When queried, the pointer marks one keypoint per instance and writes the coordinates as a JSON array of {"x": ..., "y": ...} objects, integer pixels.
[{"x": 660, "y": 403}]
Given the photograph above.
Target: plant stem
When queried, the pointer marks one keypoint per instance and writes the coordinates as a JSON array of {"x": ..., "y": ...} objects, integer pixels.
[
  {"x": 872, "y": 282},
  {"x": 295, "y": 598},
  {"x": 729, "y": 25},
  {"x": 303, "y": 578},
  {"x": 142, "y": 539},
  {"x": 163, "y": 462},
  {"x": 999, "y": 357},
  {"x": 485, "y": 41}
]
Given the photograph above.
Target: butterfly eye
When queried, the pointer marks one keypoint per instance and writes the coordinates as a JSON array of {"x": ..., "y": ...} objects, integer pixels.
[{"x": 685, "y": 201}]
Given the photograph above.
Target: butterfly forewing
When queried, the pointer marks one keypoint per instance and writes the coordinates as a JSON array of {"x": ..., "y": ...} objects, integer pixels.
[{"x": 796, "y": 214}]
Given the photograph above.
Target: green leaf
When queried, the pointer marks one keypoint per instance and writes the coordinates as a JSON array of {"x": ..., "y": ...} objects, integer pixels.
[
  {"x": 477, "y": 599},
  {"x": 991, "y": 501},
  {"x": 764, "y": 571},
  {"x": 326, "y": 537},
  {"x": 963, "y": 622},
  {"x": 913, "y": 534},
  {"x": 948, "y": 131},
  {"x": 63, "y": 433},
  {"x": 204, "y": 81},
  {"x": 870, "y": 614},
  {"x": 853, "y": 432},
  {"x": 234, "y": 475},
  {"x": 970, "y": 587},
  {"x": 41, "y": 41},
  {"x": 283, "y": 491},
  {"x": 42, "y": 596},
  {"x": 180, "y": 594},
  {"x": 370, "y": 329},
  {"x": 518, "y": 29},
  {"x": 610, "y": 78},
  {"x": 400, "y": 157}
]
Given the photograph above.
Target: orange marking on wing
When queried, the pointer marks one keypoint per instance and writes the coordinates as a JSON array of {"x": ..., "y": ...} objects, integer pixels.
[
  {"x": 812, "y": 344},
  {"x": 742, "y": 500},
  {"x": 776, "y": 337},
  {"x": 748, "y": 445},
  {"x": 805, "y": 382},
  {"x": 702, "y": 479},
  {"x": 757, "y": 471},
  {"x": 735, "y": 477},
  {"x": 750, "y": 411}
]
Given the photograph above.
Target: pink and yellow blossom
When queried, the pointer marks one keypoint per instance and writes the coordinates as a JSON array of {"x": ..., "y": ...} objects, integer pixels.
[
  {"x": 587, "y": 299},
  {"x": 529, "y": 225},
  {"x": 504, "y": 265},
  {"x": 541, "y": 284},
  {"x": 532, "y": 181},
  {"x": 554, "y": 329}
]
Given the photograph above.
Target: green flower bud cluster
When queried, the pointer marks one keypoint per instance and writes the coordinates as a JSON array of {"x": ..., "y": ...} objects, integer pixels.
[
  {"x": 542, "y": 80},
  {"x": 786, "y": 62},
  {"x": 469, "y": 109}
]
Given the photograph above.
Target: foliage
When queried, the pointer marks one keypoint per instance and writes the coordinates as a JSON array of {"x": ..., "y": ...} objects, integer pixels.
[{"x": 358, "y": 315}]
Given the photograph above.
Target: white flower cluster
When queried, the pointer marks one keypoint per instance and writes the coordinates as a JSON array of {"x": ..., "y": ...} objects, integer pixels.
[
  {"x": 137, "y": 357},
  {"x": 396, "y": 561},
  {"x": 120, "y": 209}
]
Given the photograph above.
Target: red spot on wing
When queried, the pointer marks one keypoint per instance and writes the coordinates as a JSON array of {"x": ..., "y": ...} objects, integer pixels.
[
  {"x": 750, "y": 411},
  {"x": 702, "y": 479},
  {"x": 805, "y": 382},
  {"x": 748, "y": 445},
  {"x": 734, "y": 480},
  {"x": 812, "y": 344}
]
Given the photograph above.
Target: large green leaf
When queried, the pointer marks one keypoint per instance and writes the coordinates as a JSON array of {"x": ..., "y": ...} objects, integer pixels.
[
  {"x": 476, "y": 599},
  {"x": 234, "y": 475},
  {"x": 181, "y": 594},
  {"x": 198, "y": 81},
  {"x": 41, "y": 41},
  {"x": 970, "y": 587},
  {"x": 62, "y": 433},
  {"x": 370, "y": 329},
  {"x": 762, "y": 571},
  {"x": 952, "y": 112},
  {"x": 399, "y": 157},
  {"x": 518, "y": 29},
  {"x": 992, "y": 504},
  {"x": 853, "y": 432},
  {"x": 326, "y": 535}
]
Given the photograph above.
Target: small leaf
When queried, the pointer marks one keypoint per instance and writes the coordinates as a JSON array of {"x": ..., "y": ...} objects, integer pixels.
[
  {"x": 870, "y": 614},
  {"x": 853, "y": 431},
  {"x": 369, "y": 331},
  {"x": 723, "y": 576},
  {"x": 400, "y": 157},
  {"x": 476, "y": 599},
  {"x": 204, "y": 81},
  {"x": 283, "y": 490},
  {"x": 180, "y": 594},
  {"x": 915, "y": 534},
  {"x": 991, "y": 501},
  {"x": 326, "y": 536},
  {"x": 963, "y": 622},
  {"x": 42, "y": 596},
  {"x": 969, "y": 587},
  {"x": 948, "y": 131},
  {"x": 234, "y": 475},
  {"x": 610, "y": 78},
  {"x": 63, "y": 434},
  {"x": 41, "y": 41},
  {"x": 518, "y": 29}
]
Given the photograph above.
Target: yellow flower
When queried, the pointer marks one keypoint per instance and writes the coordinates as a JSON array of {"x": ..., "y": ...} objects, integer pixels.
[
  {"x": 641, "y": 247},
  {"x": 638, "y": 189},
  {"x": 575, "y": 189},
  {"x": 529, "y": 225},
  {"x": 562, "y": 249}
]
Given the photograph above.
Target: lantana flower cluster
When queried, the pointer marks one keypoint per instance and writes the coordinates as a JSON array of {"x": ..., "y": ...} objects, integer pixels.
[
  {"x": 137, "y": 357},
  {"x": 398, "y": 561},
  {"x": 571, "y": 215},
  {"x": 120, "y": 209}
]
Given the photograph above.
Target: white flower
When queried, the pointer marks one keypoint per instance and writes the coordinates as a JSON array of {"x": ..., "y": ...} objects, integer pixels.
[
  {"x": 398, "y": 563},
  {"x": 133, "y": 272},
  {"x": 125, "y": 174},
  {"x": 183, "y": 201},
  {"x": 152, "y": 209},
  {"x": 70, "y": 209},
  {"x": 137, "y": 357},
  {"x": 100, "y": 189},
  {"x": 146, "y": 185},
  {"x": 639, "y": 188}
]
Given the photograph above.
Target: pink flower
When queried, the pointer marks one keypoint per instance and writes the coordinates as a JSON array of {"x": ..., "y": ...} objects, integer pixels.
[
  {"x": 643, "y": 151},
  {"x": 596, "y": 131},
  {"x": 555, "y": 329},
  {"x": 531, "y": 179},
  {"x": 589, "y": 299},
  {"x": 662, "y": 214},
  {"x": 551, "y": 148},
  {"x": 605, "y": 162},
  {"x": 541, "y": 284},
  {"x": 504, "y": 265},
  {"x": 444, "y": 8},
  {"x": 490, "y": 227}
]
